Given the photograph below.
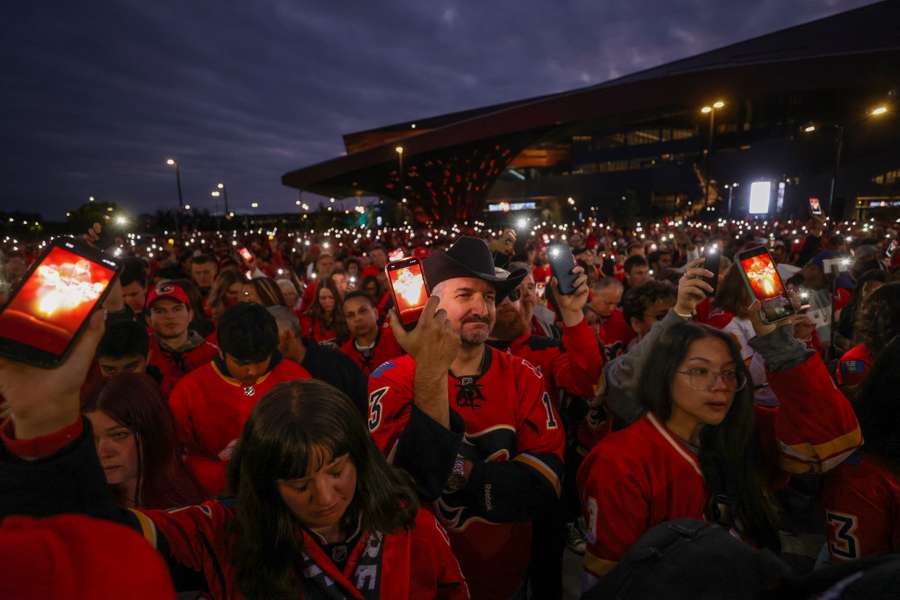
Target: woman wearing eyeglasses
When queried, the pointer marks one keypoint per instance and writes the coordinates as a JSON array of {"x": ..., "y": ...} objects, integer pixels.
[{"x": 703, "y": 449}]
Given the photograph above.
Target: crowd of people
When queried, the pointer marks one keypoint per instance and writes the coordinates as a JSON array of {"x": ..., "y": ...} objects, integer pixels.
[{"x": 250, "y": 404}]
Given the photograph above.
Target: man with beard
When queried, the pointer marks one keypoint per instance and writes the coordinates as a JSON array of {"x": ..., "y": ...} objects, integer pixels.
[
  {"x": 212, "y": 403},
  {"x": 369, "y": 345},
  {"x": 175, "y": 349},
  {"x": 576, "y": 372},
  {"x": 474, "y": 426}
]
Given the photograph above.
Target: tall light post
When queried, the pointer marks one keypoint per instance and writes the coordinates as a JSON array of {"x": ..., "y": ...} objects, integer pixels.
[
  {"x": 173, "y": 163},
  {"x": 840, "y": 131},
  {"x": 221, "y": 187},
  {"x": 711, "y": 111},
  {"x": 399, "y": 151}
]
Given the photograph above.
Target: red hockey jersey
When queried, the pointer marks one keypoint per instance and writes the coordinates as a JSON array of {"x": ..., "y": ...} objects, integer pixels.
[
  {"x": 415, "y": 564},
  {"x": 574, "y": 365},
  {"x": 633, "y": 479},
  {"x": 853, "y": 366},
  {"x": 861, "y": 499},
  {"x": 642, "y": 475},
  {"x": 175, "y": 365},
  {"x": 386, "y": 347},
  {"x": 615, "y": 331},
  {"x": 210, "y": 410},
  {"x": 509, "y": 416}
]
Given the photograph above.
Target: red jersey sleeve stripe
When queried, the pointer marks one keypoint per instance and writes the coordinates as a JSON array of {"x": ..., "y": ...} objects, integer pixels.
[
  {"x": 541, "y": 467},
  {"x": 148, "y": 527}
]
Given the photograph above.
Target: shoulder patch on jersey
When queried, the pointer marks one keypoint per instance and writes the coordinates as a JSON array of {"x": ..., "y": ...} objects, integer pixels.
[
  {"x": 853, "y": 366},
  {"x": 385, "y": 366},
  {"x": 542, "y": 342}
]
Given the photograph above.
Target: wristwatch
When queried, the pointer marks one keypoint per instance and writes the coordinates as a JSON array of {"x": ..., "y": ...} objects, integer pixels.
[{"x": 457, "y": 479}]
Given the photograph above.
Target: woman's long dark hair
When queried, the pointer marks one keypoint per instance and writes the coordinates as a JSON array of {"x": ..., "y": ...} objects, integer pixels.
[
  {"x": 337, "y": 323},
  {"x": 217, "y": 296},
  {"x": 134, "y": 401},
  {"x": 279, "y": 441},
  {"x": 878, "y": 406},
  {"x": 730, "y": 454},
  {"x": 268, "y": 291}
]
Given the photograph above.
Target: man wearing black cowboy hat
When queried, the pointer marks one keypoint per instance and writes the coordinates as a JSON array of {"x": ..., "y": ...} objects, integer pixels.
[{"x": 474, "y": 426}]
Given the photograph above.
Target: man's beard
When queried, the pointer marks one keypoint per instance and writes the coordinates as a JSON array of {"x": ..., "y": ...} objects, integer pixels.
[
  {"x": 471, "y": 338},
  {"x": 509, "y": 325}
]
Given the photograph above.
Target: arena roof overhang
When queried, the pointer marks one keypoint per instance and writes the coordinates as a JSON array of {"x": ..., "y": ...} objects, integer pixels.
[{"x": 450, "y": 161}]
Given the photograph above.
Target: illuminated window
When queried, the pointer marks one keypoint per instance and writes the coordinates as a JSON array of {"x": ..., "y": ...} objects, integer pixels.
[{"x": 889, "y": 178}]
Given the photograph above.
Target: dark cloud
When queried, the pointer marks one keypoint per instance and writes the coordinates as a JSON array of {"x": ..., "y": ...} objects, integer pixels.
[{"x": 97, "y": 94}]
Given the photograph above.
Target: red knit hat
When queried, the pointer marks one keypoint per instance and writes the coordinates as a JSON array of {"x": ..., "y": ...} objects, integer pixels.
[{"x": 76, "y": 557}]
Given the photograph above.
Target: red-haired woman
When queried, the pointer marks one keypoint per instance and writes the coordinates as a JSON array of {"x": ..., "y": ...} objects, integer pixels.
[
  {"x": 324, "y": 319},
  {"x": 135, "y": 437}
]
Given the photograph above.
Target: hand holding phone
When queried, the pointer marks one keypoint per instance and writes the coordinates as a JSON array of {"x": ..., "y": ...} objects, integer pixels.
[
  {"x": 758, "y": 271},
  {"x": 47, "y": 313},
  {"x": 409, "y": 289},
  {"x": 562, "y": 263},
  {"x": 42, "y": 401}
]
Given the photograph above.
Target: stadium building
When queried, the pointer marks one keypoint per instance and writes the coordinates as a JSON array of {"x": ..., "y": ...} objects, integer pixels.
[{"x": 760, "y": 126}]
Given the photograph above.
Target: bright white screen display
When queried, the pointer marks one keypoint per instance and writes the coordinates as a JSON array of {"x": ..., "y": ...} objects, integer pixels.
[{"x": 760, "y": 193}]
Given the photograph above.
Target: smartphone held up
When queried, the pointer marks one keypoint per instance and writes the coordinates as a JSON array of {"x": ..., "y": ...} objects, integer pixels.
[
  {"x": 562, "y": 263},
  {"x": 712, "y": 264},
  {"x": 761, "y": 277},
  {"x": 47, "y": 313},
  {"x": 409, "y": 289}
]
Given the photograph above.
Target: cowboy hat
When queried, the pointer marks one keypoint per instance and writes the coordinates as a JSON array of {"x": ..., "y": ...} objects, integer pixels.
[{"x": 469, "y": 257}]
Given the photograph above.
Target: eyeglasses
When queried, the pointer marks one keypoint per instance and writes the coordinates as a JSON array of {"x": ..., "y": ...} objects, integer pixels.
[
  {"x": 703, "y": 380},
  {"x": 514, "y": 295}
]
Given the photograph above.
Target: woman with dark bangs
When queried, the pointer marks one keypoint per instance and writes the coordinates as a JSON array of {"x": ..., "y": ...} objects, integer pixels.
[
  {"x": 134, "y": 433},
  {"x": 318, "y": 513}
]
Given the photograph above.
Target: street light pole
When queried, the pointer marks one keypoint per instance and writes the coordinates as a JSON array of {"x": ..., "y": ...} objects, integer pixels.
[
  {"x": 711, "y": 111},
  {"x": 838, "y": 149},
  {"x": 399, "y": 151},
  {"x": 173, "y": 163},
  {"x": 222, "y": 187}
]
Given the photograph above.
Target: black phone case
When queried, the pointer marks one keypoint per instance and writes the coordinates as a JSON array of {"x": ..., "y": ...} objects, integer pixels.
[
  {"x": 713, "y": 263},
  {"x": 561, "y": 266}
]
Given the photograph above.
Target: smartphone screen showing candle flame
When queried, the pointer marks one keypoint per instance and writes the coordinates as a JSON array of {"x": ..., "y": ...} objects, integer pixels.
[
  {"x": 410, "y": 292},
  {"x": 49, "y": 308},
  {"x": 766, "y": 285},
  {"x": 763, "y": 277}
]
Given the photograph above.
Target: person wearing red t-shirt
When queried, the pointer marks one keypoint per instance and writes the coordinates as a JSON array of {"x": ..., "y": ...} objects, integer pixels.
[
  {"x": 369, "y": 345},
  {"x": 175, "y": 349},
  {"x": 475, "y": 427},
  {"x": 212, "y": 403}
]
